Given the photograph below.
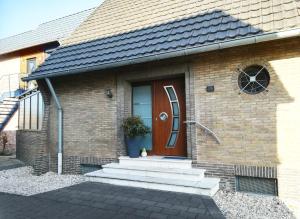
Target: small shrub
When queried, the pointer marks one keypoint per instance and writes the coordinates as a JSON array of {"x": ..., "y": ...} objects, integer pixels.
[
  {"x": 134, "y": 126},
  {"x": 3, "y": 143}
]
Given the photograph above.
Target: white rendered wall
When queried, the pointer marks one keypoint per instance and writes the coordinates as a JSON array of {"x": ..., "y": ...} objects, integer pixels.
[{"x": 9, "y": 66}]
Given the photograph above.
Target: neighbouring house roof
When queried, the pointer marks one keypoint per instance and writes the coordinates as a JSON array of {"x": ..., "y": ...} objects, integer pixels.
[
  {"x": 123, "y": 32},
  {"x": 47, "y": 32}
]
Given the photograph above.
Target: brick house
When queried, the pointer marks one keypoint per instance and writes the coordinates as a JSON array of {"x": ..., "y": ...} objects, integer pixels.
[{"x": 224, "y": 73}]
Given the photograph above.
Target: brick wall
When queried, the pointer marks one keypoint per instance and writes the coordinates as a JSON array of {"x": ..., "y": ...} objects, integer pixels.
[
  {"x": 28, "y": 142},
  {"x": 89, "y": 120},
  {"x": 89, "y": 116},
  {"x": 255, "y": 130},
  {"x": 32, "y": 145},
  {"x": 89, "y": 126}
]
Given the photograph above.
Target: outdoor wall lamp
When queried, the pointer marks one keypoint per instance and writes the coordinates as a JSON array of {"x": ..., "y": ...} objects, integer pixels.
[
  {"x": 210, "y": 88},
  {"x": 108, "y": 93}
]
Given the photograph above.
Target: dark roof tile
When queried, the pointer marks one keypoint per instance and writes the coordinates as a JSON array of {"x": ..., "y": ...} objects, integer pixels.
[{"x": 213, "y": 26}]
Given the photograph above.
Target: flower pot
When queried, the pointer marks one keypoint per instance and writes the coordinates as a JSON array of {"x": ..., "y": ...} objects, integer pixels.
[{"x": 133, "y": 146}]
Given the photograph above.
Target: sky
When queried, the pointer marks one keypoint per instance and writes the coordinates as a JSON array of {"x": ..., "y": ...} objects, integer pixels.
[{"x": 18, "y": 16}]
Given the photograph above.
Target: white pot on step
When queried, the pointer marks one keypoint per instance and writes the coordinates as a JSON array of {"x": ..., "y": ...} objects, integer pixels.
[{"x": 144, "y": 153}]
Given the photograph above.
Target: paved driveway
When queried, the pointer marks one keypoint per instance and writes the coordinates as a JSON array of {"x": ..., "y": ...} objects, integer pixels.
[
  {"x": 97, "y": 200},
  {"x": 9, "y": 162}
]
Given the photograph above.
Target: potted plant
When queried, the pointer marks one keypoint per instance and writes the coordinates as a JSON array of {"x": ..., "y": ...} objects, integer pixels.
[{"x": 134, "y": 130}]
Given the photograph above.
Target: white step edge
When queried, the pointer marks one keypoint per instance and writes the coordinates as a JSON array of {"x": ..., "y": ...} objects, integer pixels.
[
  {"x": 210, "y": 191},
  {"x": 156, "y": 161},
  {"x": 191, "y": 171},
  {"x": 6, "y": 107},
  {"x": 10, "y": 99},
  {"x": 192, "y": 174},
  {"x": 6, "y": 110},
  {"x": 204, "y": 183}
]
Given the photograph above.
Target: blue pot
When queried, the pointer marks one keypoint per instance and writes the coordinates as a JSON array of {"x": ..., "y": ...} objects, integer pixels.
[{"x": 133, "y": 146}]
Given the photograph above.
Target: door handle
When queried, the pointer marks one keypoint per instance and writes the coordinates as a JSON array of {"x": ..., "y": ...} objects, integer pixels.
[{"x": 163, "y": 116}]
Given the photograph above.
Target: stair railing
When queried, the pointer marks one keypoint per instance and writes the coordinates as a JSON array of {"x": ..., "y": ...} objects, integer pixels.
[
  {"x": 27, "y": 93},
  {"x": 206, "y": 129},
  {"x": 12, "y": 82}
]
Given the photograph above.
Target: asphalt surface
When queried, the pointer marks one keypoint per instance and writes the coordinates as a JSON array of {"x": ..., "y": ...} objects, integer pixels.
[{"x": 98, "y": 200}]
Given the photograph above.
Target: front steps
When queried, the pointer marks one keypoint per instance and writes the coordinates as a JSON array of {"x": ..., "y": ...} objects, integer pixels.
[
  {"x": 159, "y": 173},
  {"x": 7, "y": 109}
]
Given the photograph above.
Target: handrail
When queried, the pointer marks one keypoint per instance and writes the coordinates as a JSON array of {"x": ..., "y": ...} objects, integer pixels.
[
  {"x": 10, "y": 74},
  {"x": 27, "y": 93},
  {"x": 7, "y": 75},
  {"x": 12, "y": 82},
  {"x": 205, "y": 129}
]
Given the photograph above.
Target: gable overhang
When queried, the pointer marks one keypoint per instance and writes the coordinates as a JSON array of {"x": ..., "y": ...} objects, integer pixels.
[
  {"x": 177, "y": 53},
  {"x": 20, "y": 49}
]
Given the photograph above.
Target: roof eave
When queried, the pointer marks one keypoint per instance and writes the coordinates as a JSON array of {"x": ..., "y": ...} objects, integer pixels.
[
  {"x": 185, "y": 52},
  {"x": 28, "y": 47}
]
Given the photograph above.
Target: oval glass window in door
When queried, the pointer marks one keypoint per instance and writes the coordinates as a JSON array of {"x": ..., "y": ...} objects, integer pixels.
[{"x": 175, "y": 109}]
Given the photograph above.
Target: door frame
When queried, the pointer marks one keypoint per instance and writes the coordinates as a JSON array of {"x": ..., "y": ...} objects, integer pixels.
[
  {"x": 151, "y": 83},
  {"x": 145, "y": 73}
]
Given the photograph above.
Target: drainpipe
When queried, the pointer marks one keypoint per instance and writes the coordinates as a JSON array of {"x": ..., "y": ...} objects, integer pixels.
[{"x": 59, "y": 126}]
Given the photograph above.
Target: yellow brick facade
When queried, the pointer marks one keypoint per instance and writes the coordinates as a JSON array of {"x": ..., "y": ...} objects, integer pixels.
[{"x": 259, "y": 130}]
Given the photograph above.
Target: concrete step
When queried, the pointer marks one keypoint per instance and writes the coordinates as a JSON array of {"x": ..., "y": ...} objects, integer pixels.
[
  {"x": 10, "y": 99},
  {"x": 7, "y": 106},
  {"x": 191, "y": 174},
  {"x": 156, "y": 161},
  {"x": 5, "y": 110},
  {"x": 206, "y": 186},
  {"x": 3, "y": 117},
  {"x": 5, "y": 113}
]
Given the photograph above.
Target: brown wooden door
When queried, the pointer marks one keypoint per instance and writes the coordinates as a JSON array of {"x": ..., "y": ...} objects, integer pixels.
[{"x": 168, "y": 115}]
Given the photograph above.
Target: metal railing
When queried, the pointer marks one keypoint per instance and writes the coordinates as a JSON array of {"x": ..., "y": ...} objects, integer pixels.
[
  {"x": 27, "y": 93},
  {"x": 206, "y": 129},
  {"x": 11, "y": 84},
  {"x": 31, "y": 110}
]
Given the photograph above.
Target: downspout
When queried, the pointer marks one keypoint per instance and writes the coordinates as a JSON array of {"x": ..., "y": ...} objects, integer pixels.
[{"x": 59, "y": 126}]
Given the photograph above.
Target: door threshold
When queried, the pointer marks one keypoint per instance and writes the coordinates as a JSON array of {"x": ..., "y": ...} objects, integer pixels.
[
  {"x": 175, "y": 157},
  {"x": 157, "y": 157}
]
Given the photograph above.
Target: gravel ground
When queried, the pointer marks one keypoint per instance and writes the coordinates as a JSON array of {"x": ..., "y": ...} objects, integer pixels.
[
  {"x": 21, "y": 181},
  {"x": 244, "y": 205}
]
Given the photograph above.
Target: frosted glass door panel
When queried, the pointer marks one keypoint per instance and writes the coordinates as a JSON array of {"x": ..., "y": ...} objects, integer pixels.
[{"x": 142, "y": 106}]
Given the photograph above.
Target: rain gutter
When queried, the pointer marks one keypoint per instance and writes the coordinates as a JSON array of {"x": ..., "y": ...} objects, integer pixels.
[{"x": 184, "y": 52}]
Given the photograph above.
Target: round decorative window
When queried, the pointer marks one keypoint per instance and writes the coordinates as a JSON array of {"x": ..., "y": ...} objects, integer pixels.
[{"x": 254, "y": 79}]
